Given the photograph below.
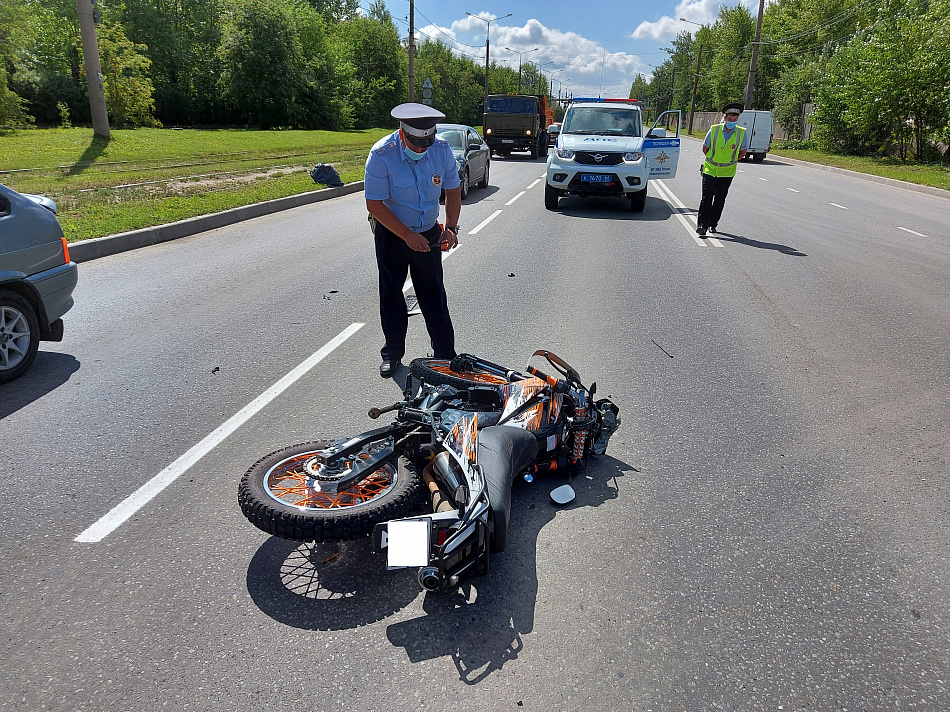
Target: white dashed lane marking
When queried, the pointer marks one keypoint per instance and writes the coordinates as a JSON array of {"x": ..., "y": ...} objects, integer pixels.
[
  {"x": 838, "y": 206},
  {"x": 793, "y": 190},
  {"x": 918, "y": 234}
]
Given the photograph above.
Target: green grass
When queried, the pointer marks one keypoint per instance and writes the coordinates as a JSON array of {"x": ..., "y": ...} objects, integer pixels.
[
  {"x": 145, "y": 177},
  {"x": 920, "y": 173}
]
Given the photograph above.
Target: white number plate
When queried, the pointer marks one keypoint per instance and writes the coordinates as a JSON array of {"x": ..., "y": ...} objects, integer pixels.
[{"x": 408, "y": 543}]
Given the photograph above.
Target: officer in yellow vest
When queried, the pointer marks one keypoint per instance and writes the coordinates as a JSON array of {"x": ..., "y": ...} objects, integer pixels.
[{"x": 724, "y": 147}]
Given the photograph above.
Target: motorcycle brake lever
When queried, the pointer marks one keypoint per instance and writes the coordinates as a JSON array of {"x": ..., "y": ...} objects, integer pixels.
[{"x": 375, "y": 412}]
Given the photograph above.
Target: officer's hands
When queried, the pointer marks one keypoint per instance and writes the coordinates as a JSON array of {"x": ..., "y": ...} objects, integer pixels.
[
  {"x": 417, "y": 242},
  {"x": 449, "y": 239}
]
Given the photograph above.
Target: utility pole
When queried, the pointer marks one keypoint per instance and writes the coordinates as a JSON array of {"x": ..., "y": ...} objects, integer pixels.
[
  {"x": 755, "y": 56},
  {"x": 90, "y": 58},
  {"x": 692, "y": 103},
  {"x": 487, "y": 33},
  {"x": 412, "y": 51}
]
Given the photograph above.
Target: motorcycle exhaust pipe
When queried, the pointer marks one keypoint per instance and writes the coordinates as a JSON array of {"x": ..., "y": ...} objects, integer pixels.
[
  {"x": 447, "y": 472},
  {"x": 429, "y": 578},
  {"x": 440, "y": 502}
]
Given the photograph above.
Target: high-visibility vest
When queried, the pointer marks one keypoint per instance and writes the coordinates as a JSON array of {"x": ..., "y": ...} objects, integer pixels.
[{"x": 723, "y": 155}]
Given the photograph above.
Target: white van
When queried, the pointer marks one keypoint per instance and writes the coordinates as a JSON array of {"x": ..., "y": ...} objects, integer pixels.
[{"x": 758, "y": 127}]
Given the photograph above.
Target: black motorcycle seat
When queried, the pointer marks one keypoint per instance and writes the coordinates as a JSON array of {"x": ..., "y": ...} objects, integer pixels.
[{"x": 503, "y": 452}]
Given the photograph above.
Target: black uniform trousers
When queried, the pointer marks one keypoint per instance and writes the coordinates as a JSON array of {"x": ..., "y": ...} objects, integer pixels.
[
  {"x": 395, "y": 260},
  {"x": 713, "y": 201}
]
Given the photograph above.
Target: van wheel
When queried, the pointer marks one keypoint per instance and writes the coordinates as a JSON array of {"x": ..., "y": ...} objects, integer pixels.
[
  {"x": 638, "y": 201},
  {"x": 19, "y": 335},
  {"x": 551, "y": 196},
  {"x": 758, "y": 157}
]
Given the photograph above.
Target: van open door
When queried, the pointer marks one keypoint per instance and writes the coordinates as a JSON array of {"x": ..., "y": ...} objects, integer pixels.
[{"x": 662, "y": 145}]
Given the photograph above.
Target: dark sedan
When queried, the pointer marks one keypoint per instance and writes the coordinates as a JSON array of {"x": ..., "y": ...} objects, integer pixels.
[{"x": 471, "y": 154}]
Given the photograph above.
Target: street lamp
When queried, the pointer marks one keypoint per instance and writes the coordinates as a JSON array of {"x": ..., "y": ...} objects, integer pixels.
[
  {"x": 487, "y": 33},
  {"x": 541, "y": 75},
  {"x": 691, "y": 22},
  {"x": 520, "y": 55}
]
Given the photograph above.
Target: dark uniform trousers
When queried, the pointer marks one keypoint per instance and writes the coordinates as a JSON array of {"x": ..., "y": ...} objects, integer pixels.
[
  {"x": 396, "y": 259},
  {"x": 713, "y": 200}
]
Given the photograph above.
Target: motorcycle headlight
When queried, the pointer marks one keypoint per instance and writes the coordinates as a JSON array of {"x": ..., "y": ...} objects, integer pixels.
[
  {"x": 632, "y": 156},
  {"x": 566, "y": 154}
]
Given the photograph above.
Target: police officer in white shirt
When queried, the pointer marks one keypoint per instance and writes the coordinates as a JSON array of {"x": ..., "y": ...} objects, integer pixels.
[{"x": 406, "y": 173}]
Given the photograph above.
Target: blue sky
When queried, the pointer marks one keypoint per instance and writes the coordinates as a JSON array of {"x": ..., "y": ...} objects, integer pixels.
[{"x": 593, "y": 47}]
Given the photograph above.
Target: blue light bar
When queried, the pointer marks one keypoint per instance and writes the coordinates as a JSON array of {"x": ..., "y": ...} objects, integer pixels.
[{"x": 600, "y": 100}]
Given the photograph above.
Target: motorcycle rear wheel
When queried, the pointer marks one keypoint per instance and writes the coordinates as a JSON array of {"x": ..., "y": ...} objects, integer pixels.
[
  {"x": 275, "y": 498},
  {"x": 437, "y": 372}
]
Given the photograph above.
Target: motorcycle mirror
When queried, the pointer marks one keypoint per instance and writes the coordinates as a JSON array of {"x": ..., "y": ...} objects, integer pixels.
[
  {"x": 562, "y": 494},
  {"x": 461, "y": 495}
]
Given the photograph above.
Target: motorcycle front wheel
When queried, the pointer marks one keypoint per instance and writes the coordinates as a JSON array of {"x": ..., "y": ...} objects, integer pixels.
[
  {"x": 438, "y": 372},
  {"x": 277, "y": 496}
]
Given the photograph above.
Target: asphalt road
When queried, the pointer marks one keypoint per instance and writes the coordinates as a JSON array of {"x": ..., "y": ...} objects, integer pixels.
[{"x": 769, "y": 529}]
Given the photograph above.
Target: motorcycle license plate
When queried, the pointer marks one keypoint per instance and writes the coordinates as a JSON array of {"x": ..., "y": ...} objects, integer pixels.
[
  {"x": 407, "y": 542},
  {"x": 596, "y": 178}
]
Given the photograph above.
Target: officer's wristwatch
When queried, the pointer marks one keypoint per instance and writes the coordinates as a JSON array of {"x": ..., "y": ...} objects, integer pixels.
[{"x": 453, "y": 228}]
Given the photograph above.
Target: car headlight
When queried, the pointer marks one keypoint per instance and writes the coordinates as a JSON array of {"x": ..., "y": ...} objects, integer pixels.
[
  {"x": 632, "y": 156},
  {"x": 566, "y": 154}
]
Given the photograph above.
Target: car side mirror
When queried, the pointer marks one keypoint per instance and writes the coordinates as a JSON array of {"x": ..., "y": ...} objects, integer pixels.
[{"x": 657, "y": 133}]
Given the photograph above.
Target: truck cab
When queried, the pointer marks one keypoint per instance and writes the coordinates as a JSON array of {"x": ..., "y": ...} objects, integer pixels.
[
  {"x": 517, "y": 122},
  {"x": 602, "y": 150}
]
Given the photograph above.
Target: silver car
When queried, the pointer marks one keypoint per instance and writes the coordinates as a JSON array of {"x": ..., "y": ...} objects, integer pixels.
[
  {"x": 37, "y": 279},
  {"x": 471, "y": 154}
]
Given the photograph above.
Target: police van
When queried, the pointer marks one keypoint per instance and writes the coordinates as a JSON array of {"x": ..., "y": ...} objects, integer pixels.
[{"x": 602, "y": 150}]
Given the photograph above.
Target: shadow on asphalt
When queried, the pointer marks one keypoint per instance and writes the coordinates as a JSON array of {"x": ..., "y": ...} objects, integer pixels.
[
  {"x": 48, "y": 372},
  {"x": 482, "y": 625},
  {"x": 338, "y": 586},
  {"x": 739, "y": 239},
  {"x": 598, "y": 208}
]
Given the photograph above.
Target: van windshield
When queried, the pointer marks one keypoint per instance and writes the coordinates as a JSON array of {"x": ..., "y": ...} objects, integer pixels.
[{"x": 601, "y": 121}]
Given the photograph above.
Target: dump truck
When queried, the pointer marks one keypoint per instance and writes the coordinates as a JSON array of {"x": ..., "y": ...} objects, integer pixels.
[{"x": 517, "y": 122}]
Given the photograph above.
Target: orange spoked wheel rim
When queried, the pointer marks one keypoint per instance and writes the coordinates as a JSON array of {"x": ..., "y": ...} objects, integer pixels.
[
  {"x": 289, "y": 483},
  {"x": 491, "y": 378}
]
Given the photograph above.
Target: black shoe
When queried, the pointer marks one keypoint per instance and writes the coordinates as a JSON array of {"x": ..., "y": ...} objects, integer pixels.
[
  {"x": 388, "y": 367},
  {"x": 713, "y": 229},
  {"x": 701, "y": 231}
]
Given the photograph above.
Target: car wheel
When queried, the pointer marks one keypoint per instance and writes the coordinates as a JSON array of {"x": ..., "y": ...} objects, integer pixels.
[
  {"x": 19, "y": 335},
  {"x": 551, "y": 196},
  {"x": 484, "y": 181},
  {"x": 465, "y": 185},
  {"x": 638, "y": 201}
]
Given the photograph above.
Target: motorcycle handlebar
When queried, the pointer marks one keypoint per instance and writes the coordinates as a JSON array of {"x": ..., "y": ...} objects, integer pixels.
[{"x": 558, "y": 384}]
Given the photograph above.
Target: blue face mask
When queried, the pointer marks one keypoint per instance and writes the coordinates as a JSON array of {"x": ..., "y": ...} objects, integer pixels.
[
  {"x": 413, "y": 155},
  {"x": 730, "y": 125}
]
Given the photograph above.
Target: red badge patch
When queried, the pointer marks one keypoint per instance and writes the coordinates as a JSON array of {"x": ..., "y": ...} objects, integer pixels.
[{"x": 436, "y": 180}]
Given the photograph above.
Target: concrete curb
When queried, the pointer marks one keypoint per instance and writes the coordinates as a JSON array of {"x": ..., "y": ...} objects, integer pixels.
[
  {"x": 86, "y": 250},
  {"x": 930, "y": 190}
]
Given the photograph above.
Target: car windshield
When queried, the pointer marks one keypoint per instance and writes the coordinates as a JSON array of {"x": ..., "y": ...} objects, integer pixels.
[
  {"x": 600, "y": 121},
  {"x": 456, "y": 139}
]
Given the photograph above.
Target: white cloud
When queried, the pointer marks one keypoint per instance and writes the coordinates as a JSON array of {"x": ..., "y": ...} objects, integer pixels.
[{"x": 704, "y": 12}]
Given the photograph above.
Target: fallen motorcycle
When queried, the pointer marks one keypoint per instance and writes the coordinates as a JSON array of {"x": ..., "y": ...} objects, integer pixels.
[{"x": 465, "y": 429}]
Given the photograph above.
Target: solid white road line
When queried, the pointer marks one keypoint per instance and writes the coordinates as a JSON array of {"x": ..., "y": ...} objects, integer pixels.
[
  {"x": 138, "y": 499},
  {"x": 679, "y": 210},
  {"x": 484, "y": 222},
  {"x": 515, "y": 198},
  {"x": 838, "y": 206},
  {"x": 911, "y": 232}
]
